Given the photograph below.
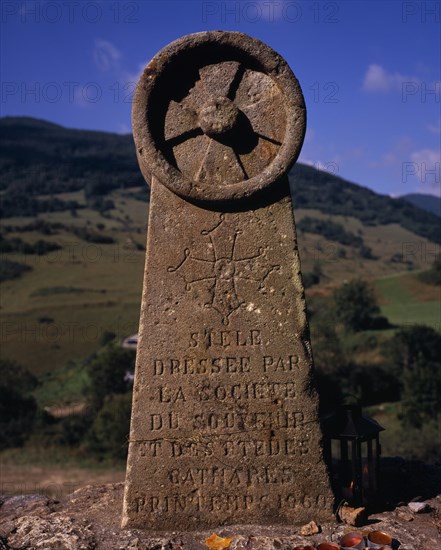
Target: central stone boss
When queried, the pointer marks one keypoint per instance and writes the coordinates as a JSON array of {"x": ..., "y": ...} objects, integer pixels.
[{"x": 225, "y": 416}]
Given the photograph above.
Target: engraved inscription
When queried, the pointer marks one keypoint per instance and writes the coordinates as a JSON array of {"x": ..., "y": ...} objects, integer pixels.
[
  {"x": 224, "y": 447},
  {"x": 223, "y": 365},
  {"x": 192, "y": 449},
  {"x": 232, "y": 476},
  {"x": 243, "y": 421},
  {"x": 240, "y": 391},
  {"x": 225, "y": 338},
  {"x": 265, "y": 447},
  {"x": 274, "y": 391},
  {"x": 204, "y": 365},
  {"x": 284, "y": 364},
  {"x": 167, "y": 421},
  {"x": 193, "y": 502},
  {"x": 149, "y": 448},
  {"x": 300, "y": 500},
  {"x": 235, "y": 419},
  {"x": 173, "y": 395}
]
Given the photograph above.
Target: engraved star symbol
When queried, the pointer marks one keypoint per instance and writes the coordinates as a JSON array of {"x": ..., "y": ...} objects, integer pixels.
[{"x": 223, "y": 268}]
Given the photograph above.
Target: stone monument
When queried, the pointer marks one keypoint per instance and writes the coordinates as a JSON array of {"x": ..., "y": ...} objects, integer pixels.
[{"x": 224, "y": 423}]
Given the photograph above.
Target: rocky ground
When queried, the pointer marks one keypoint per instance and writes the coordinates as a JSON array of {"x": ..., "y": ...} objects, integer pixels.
[{"x": 89, "y": 519}]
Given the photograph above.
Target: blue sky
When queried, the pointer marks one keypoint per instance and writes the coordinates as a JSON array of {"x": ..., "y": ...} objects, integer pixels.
[{"x": 370, "y": 72}]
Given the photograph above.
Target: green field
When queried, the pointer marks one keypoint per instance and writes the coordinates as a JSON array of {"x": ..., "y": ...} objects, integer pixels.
[
  {"x": 405, "y": 300},
  {"x": 59, "y": 311}
]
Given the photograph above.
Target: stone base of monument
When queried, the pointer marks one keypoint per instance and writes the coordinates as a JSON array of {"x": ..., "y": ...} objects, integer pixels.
[{"x": 90, "y": 519}]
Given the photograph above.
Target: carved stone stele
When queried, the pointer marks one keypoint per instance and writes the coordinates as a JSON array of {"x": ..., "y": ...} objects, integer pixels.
[{"x": 225, "y": 416}]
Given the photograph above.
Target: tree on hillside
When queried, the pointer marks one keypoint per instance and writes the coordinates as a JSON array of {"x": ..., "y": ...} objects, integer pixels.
[
  {"x": 17, "y": 408},
  {"x": 414, "y": 356},
  {"x": 313, "y": 277},
  {"x": 12, "y": 374},
  {"x": 110, "y": 429},
  {"x": 433, "y": 275},
  {"x": 409, "y": 343},
  {"x": 108, "y": 372},
  {"x": 421, "y": 393},
  {"x": 355, "y": 305}
]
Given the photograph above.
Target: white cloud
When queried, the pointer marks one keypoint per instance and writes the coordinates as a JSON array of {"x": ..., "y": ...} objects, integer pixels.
[
  {"x": 434, "y": 128},
  {"x": 107, "y": 57},
  {"x": 123, "y": 128},
  {"x": 377, "y": 79},
  {"x": 427, "y": 156}
]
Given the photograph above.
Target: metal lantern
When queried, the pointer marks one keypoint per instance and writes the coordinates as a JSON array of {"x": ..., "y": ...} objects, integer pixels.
[{"x": 353, "y": 452}]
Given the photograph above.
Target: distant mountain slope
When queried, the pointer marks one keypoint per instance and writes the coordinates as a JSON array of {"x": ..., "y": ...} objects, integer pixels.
[
  {"x": 430, "y": 203},
  {"x": 333, "y": 195},
  {"x": 40, "y": 158}
]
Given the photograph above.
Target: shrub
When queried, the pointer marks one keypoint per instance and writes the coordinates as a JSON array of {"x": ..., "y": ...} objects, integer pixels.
[
  {"x": 108, "y": 372},
  {"x": 355, "y": 305},
  {"x": 433, "y": 275},
  {"x": 14, "y": 376},
  {"x": 414, "y": 357},
  {"x": 313, "y": 277},
  {"x": 17, "y": 408},
  {"x": 12, "y": 270},
  {"x": 110, "y": 430},
  {"x": 16, "y": 417}
]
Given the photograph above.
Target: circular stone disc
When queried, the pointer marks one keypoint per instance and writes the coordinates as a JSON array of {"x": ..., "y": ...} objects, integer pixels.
[{"x": 217, "y": 116}]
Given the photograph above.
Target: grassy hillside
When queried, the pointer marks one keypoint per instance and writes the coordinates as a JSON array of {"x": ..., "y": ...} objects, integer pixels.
[
  {"x": 333, "y": 195},
  {"x": 81, "y": 193},
  {"x": 40, "y": 160},
  {"x": 406, "y": 300}
]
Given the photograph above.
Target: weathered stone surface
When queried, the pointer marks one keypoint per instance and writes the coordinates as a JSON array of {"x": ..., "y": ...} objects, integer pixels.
[
  {"x": 419, "y": 507},
  {"x": 309, "y": 529},
  {"x": 95, "y": 513},
  {"x": 218, "y": 116},
  {"x": 353, "y": 516},
  {"x": 58, "y": 533},
  {"x": 225, "y": 416},
  {"x": 405, "y": 516},
  {"x": 224, "y": 425}
]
